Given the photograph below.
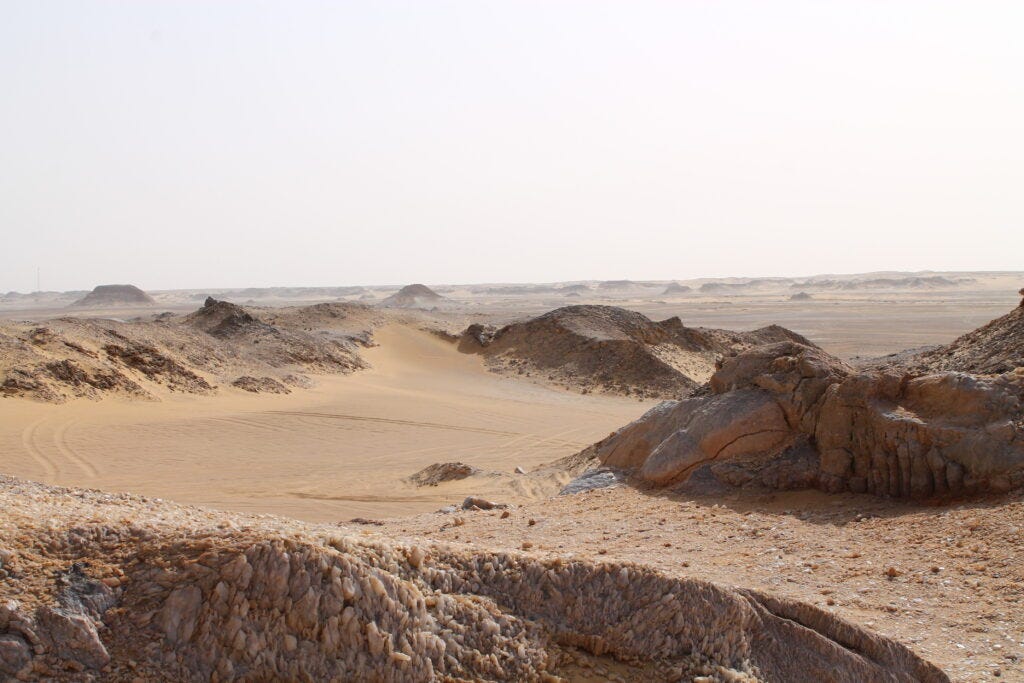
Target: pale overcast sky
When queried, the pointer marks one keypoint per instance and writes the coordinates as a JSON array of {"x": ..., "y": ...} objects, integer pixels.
[{"x": 206, "y": 144}]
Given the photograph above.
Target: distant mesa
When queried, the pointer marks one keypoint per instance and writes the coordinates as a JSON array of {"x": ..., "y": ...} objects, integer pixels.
[
  {"x": 757, "y": 284},
  {"x": 519, "y": 289},
  {"x": 412, "y": 296},
  {"x": 911, "y": 282},
  {"x": 579, "y": 289},
  {"x": 614, "y": 285},
  {"x": 572, "y": 294},
  {"x": 676, "y": 288},
  {"x": 801, "y": 296},
  {"x": 114, "y": 295}
]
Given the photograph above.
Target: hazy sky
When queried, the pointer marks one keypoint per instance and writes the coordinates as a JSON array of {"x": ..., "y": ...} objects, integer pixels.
[{"x": 191, "y": 144}]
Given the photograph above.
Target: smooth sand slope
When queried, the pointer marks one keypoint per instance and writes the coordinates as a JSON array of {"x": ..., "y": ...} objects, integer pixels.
[{"x": 340, "y": 450}]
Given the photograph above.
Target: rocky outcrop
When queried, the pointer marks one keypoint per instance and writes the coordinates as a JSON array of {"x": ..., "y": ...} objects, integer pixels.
[
  {"x": 612, "y": 349},
  {"x": 221, "y": 342},
  {"x": 154, "y": 365},
  {"x": 440, "y": 472},
  {"x": 788, "y": 416},
  {"x": 245, "y": 334},
  {"x": 226, "y": 320},
  {"x": 64, "y": 629},
  {"x": 260, "y": 385},
  {"x": 191, "y": 595}
]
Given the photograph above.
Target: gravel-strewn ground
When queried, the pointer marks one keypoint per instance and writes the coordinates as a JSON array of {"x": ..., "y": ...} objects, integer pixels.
[{"x": 947, "y": 582}]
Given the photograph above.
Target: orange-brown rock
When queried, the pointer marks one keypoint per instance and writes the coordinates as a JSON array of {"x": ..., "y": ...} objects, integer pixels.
[{"x": 788, "y": 416}]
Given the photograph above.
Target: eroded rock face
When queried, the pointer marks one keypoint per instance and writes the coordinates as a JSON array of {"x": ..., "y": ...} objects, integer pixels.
[
  {"x": 15, "y": 653},
  {"x": 72, "y": 636},
  {"x": 203, "y": 596},
  {"x": 260, "y": 385},
  {"x": 789, "y": 416},
  {"x": 64, "y": 629}
]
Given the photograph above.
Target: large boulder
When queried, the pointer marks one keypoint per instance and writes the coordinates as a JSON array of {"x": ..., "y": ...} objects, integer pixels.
[{"x": 787, "y": 415}]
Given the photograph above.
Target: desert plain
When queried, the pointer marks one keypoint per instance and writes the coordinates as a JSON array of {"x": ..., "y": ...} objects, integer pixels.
[{"x": 445, "y": 422}]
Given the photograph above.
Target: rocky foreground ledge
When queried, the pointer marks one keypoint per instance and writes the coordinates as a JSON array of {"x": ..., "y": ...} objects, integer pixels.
[{"x": 113, "y": 587}]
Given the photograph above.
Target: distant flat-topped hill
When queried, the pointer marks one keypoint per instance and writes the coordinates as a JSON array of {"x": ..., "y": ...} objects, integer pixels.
[
  {"x": 676, "y": 288},
  {"x": 114, "y": 295},
  {"x": 412, "y": 296}
]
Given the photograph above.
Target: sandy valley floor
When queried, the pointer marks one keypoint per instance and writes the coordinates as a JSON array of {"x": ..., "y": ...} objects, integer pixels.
[{"x": 335, "y": 452}]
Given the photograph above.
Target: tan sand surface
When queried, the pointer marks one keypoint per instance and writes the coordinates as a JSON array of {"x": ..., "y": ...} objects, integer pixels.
[{"x": 337, "y": 451}]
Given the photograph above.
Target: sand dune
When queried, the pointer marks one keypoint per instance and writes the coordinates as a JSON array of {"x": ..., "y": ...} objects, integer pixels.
[{"x": 339, "y": 450}]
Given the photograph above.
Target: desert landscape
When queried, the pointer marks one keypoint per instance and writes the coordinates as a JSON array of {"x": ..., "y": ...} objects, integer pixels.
[
  {"x": 808, "y": 491},
  {"x": 499, "y": 342}
]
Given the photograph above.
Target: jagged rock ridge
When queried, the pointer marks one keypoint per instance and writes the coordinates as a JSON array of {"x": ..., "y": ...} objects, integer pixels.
[
  {"x": 612, "y": 349},
  {"x": 221, "y": 342}
]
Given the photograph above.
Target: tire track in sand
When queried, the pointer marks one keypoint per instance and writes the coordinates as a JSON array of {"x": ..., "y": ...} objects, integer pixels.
[
  {"x": 408, "y": 423},
  {"x": 28, "y": 440},
  {"x": 80, "y": 461},
  {"x": 250, "y": 424}
]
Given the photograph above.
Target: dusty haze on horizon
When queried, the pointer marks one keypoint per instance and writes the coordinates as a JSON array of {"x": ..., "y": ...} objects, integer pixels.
[{"x": 176, "y": 145}]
